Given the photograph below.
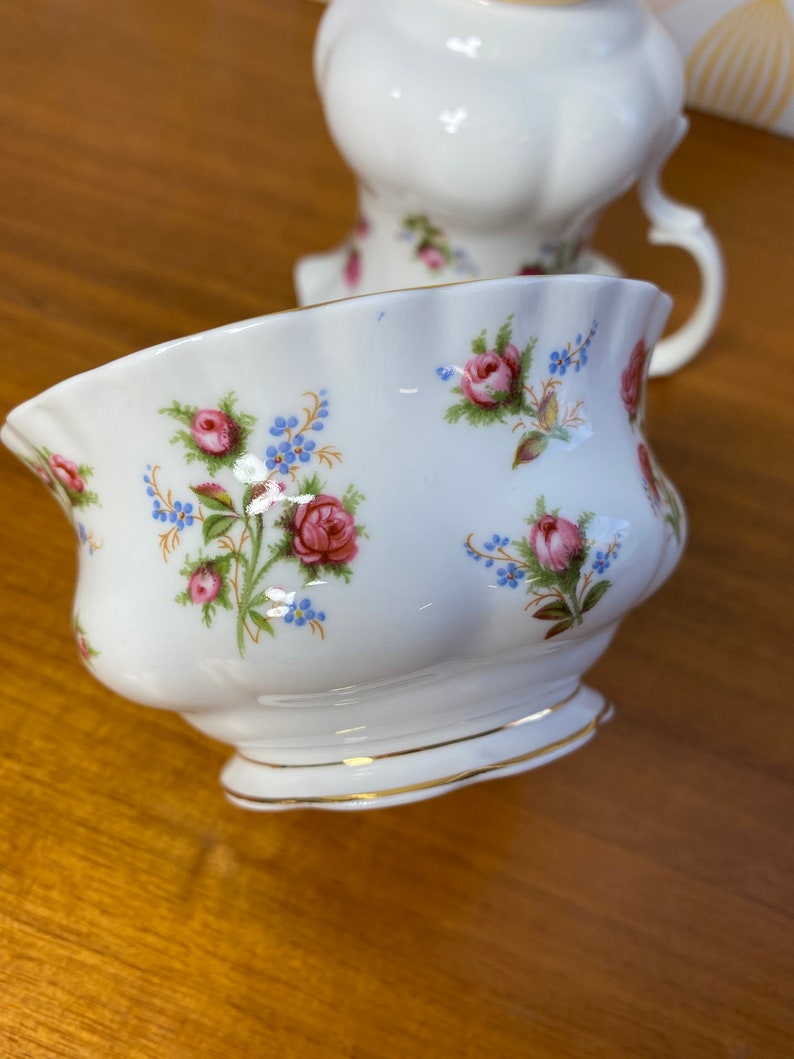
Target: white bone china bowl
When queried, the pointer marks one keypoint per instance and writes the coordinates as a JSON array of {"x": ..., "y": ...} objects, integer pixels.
[{"x": 373, "y": 545}]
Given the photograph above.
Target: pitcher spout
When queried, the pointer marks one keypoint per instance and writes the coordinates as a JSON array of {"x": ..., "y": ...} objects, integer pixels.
[{"x": 66, "y": 477}]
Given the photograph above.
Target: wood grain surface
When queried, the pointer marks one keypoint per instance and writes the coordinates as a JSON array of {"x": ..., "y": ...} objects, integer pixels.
[{"x": 162, "y": 164}]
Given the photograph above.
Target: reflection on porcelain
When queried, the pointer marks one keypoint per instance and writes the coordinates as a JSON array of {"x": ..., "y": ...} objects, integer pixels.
[
  {"x": 373, "y": 545},
  {"x": 487, "y": 138}
]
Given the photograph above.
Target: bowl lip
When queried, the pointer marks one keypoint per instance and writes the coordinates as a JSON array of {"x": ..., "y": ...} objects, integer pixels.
[{"x": 128, "y": 361}]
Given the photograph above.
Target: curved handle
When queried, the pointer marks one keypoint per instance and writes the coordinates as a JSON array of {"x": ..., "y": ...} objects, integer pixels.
[{"x": 675, "y": 225}]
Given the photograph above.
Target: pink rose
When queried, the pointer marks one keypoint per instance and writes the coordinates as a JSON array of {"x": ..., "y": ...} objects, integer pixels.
[
  {"x": 432, "y": 257},
  {"x": 362, "y": 226},
  {"x": 68, "y": 473},
  {"x": 204, "y": 585},
  {"x": 489, "y": 379},
  {"x": 632, "y": 378},
  {"x": 353, "y": 268},
  {"x": 83, "y": 648},
  {"x": 511, "y": 354},
  {"x": 324, "y": 532},
  {"x": 647, "y": 472},
  {"x": 215, "y": 432},
  {"x": 556, "y": 542}
]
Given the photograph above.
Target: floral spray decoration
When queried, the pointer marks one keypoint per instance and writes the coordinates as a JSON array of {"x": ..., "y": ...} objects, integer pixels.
[
  {"x": 259, "y": 515},
  {"x": 69, "y": 482},
  {"x": 352, "y": 263},
  {"x": 432, "y": 248},
  {"x": 560, "y": 566},
  {"x": 495, "y": 386},
  {"x": 660, "y": 493}
]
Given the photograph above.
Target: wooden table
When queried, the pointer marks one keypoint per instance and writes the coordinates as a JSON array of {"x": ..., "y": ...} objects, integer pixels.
[{"x": 162, "y": 164}]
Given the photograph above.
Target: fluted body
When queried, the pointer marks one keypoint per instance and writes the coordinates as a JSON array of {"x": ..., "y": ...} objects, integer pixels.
[{"x": 356, "y": 530}]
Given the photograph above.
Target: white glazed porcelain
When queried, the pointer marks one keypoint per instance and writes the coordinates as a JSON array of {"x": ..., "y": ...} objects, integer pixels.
[
  {"x": 373, "y": 545},
  {"x": 487, "y": 137}
]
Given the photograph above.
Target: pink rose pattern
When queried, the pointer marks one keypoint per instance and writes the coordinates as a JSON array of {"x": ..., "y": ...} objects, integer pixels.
[
  {"x": 324, "y": 532},
  {"x": 661, "y": 495},
  {"x": 352, "y": 265},
  {"x": 490, "y": 378},
  {"x": 85, "y": 648},
  {"x": 67, "y": 473},
  {"x": 68, "y": 481},
  {"x": 67, "y": 478},
  {"x": 560, "y": 567},
  {"x": 215, "y": 432},
  {"x": 432, "y": 256},
  {"x": 204, "y": 584},
  {"x": 262, "y": 509},
  {"x": 557, "y": 543},
  {"x": 432, "y": 248},
  {"x": 353, "y": 268},
  {"x": 649, "y": 476},
  {"x": 494, "y": 385},
  {"x": 632, "y": 380}
]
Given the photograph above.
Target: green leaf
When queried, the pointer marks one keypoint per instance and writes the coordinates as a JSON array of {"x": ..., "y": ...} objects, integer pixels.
[
  {"x": 352, "y": 499},
  {"x": 84, "y": 499},
  {"x": 480, "y": 343},
  {"x": 526, "y": 358},
  {"x": 554, "y": 612},
  {"x": 280, "y": 548},
  {"x": 595, "y": 593},
  {"x": 189, "y": 565},
  {"x": 223, "y": 563},
  {"x": 261, "y": 622},
  {"x": 583, "y": 523},
  {"x": 530, "y": 447},
  {"x": 525, "y": 551},
  {"x": 217, "y": 525},
  {"x": 475, "y": 415},
  {"x": 314, "y": 570},
  {"x": 184, "y": 413},
  {"x": 224, "y": 597},
  {"x": 675, "y": 523},
  {"x": 504, "y": 335},
  {"x": 538, "y": 577},
  {"x": 561, "y": 626},
  {"x": 454, "y": 413},
  {"x": 261, "y": 599},
  {"x": 311, "y": 485}
]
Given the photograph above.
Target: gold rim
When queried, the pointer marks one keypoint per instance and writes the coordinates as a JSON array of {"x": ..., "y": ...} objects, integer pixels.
[
  {"x": 369, "y": 758},
  {"x": 426, "y": 785}
]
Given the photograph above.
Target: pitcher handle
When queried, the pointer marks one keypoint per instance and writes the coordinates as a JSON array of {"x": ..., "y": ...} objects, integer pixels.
[{"x": 673, "y": 224}]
